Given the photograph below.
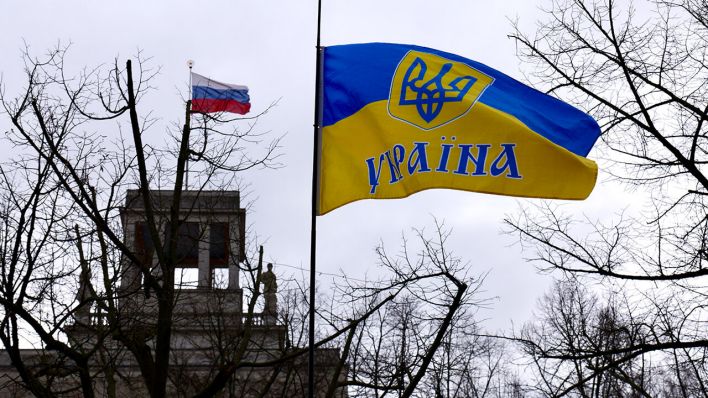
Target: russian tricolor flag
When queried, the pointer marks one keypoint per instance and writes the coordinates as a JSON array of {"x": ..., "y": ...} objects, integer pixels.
[{"x": 211, "y": 96}]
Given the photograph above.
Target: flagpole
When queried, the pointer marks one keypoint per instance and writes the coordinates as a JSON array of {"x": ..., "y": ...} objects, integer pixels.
[
  {"x": 313, "y": 220},
  {"x": 190, "y": 63}
]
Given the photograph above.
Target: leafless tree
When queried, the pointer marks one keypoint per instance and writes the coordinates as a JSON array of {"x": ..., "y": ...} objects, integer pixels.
[
  {"x": 78, "y": 147},
  {"x": 640, "y": 69},
  {"x": 62, "y": 195},
  {"x": 421, "y": 337}
]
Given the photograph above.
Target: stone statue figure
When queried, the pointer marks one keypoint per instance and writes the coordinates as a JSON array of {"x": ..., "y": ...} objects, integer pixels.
[
  {"x": 270, "y": 287},
  {"x": 269, "y": 281}
]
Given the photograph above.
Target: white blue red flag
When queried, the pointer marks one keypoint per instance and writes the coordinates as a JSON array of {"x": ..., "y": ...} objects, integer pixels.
[{"x": 210, "y": 96}]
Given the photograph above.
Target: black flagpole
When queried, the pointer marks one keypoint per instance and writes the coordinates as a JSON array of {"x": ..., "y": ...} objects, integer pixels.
[
  {"x": 190, "y": 63},
  {"x": 315, "y": 192}
]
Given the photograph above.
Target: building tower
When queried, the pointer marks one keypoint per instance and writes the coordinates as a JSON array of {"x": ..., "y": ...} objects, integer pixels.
[{"x": 210, "y": 329}]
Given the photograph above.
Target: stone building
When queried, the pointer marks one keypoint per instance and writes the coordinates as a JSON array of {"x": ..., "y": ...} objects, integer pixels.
[{"x": 210, "y": 327}]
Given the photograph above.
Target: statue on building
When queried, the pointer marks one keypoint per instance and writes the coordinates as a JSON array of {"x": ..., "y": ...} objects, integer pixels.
[
  {"x": 84, "y": 296},
  {"x": 270, "y": 287}
]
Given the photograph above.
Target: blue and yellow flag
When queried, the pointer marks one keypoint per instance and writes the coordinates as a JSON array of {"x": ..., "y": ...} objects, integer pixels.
[{"x": 399, "y": 119}]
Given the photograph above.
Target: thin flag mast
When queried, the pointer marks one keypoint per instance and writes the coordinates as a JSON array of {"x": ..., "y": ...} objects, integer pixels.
[
  {"x": 315, "y": 189},
  {"x": 190, "y": 64}
]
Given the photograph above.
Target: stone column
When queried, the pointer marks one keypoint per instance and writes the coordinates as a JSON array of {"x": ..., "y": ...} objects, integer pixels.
[
  {"x": 204, "y": 280},
  {"x": 130, "y": 280},
  {"x": 233, "y": 257}
]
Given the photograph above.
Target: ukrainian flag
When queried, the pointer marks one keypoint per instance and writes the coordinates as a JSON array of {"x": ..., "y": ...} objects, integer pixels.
[{"x": 398, "y": 119}]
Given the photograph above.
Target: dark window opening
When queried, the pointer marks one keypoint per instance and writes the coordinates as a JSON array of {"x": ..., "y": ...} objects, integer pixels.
[
  {"x": 144, "y": 246},
  {"x": 187, "y": 248},
  {"x": 219, "y": 244}
]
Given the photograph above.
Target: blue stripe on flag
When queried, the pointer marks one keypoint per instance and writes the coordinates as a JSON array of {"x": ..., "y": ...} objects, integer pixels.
[{"x": 367, "y": 70}]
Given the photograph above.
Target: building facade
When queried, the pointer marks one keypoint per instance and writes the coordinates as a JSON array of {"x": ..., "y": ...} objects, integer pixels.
[{"x": 213, "y": 331}]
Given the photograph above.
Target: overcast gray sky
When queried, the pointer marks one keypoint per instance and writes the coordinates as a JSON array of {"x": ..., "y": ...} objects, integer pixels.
[{"x": 269, "y": 46}]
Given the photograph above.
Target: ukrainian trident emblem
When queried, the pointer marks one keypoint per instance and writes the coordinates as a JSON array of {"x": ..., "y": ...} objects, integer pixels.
[{"x": 429, "y": 91}]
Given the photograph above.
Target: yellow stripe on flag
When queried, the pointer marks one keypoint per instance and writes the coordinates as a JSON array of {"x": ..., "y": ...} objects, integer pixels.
[{"x": 371, "y": 155}]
